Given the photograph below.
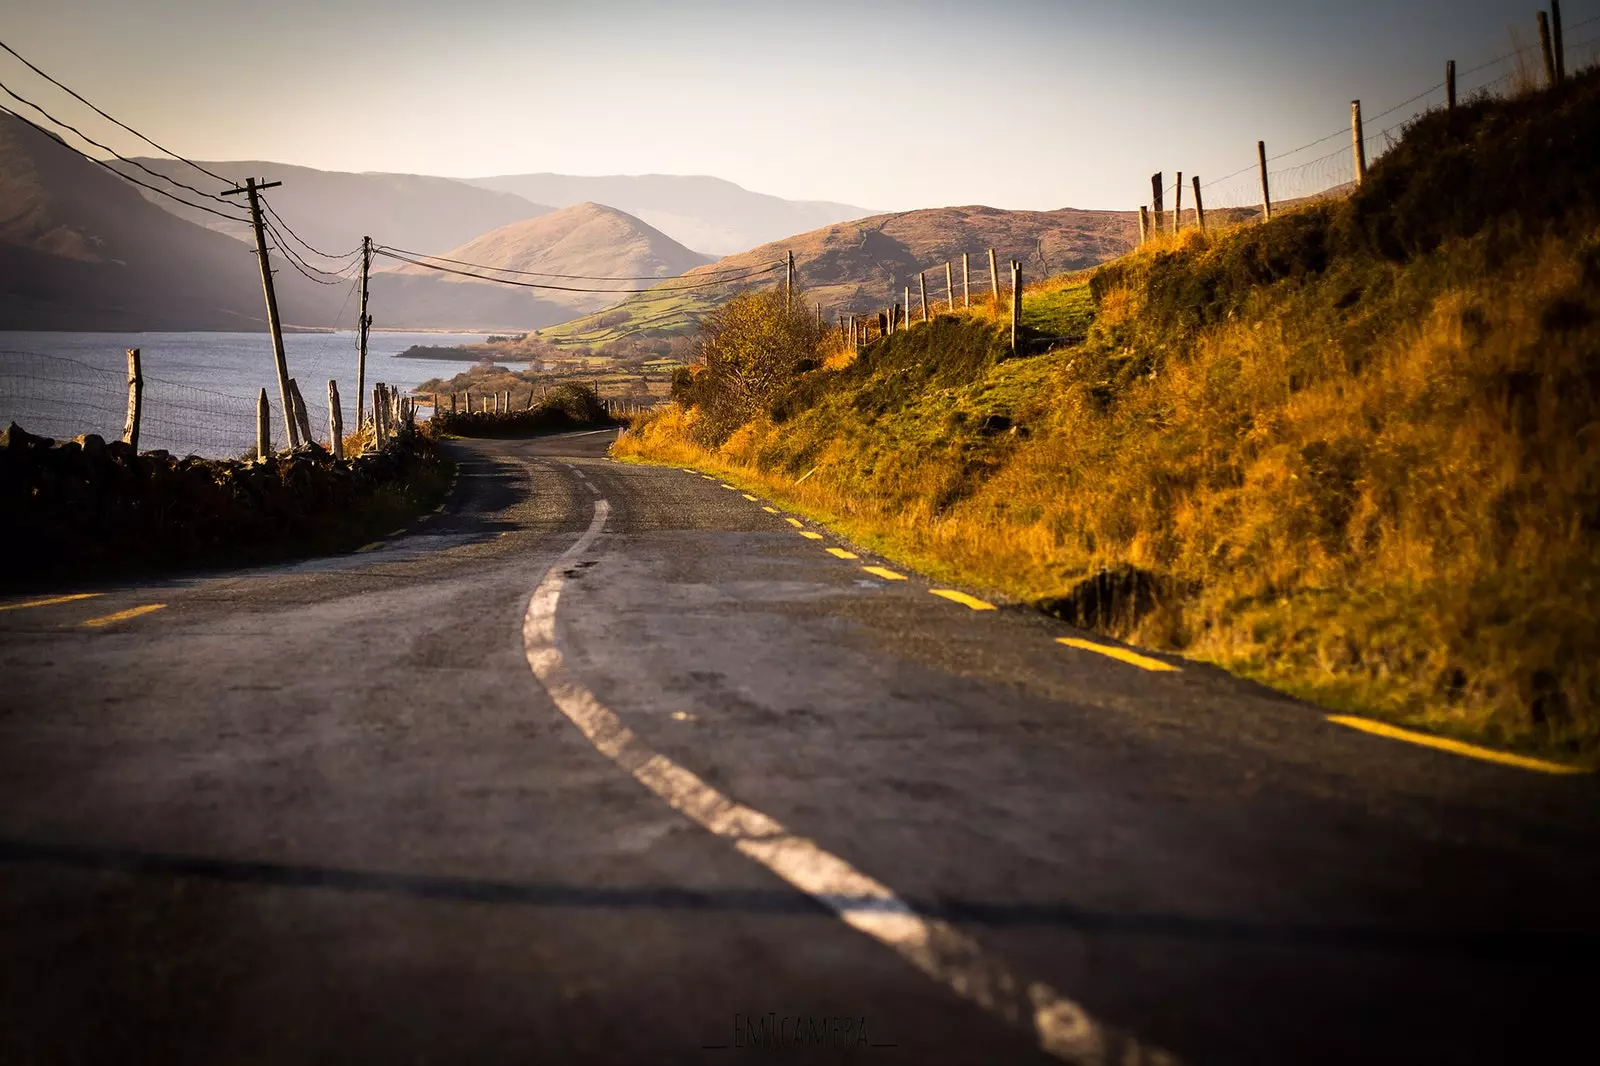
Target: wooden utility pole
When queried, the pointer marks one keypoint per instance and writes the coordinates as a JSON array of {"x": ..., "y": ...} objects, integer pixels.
[
  {"x": 1358, "y": 144},
  {"x": 1558, "y": 42},
  {"x": 1450, "y": 85},
  {"x": 1545, "y": 46},
  {"x": 922, "y": 287},
  {"x": 966, "y": 279},
  {"x": 1266, "y": 190},
  {"x": 994, "y": 278},
  {"x": 788, "y": 282},
  {"x": 362, "y": 325},
  {"x": 263, "y": 428},
  {"x": 1016, "y": 302},
  {"x": 1177, "y": 206},
  {"x": 253, "y": 190},
  {"x": 130, "y": 428},
  {"x": 1156, "y": 193},
  {"x": 1199, "y": 206},
  {"x": 335, "y": 421}
]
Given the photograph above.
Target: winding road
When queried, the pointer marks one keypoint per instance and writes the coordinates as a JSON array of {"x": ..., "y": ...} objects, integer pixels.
[{"x": 613, "y": 763}]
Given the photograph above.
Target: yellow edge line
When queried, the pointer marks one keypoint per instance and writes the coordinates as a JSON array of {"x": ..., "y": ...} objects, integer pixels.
[
  {"x": 1144, "y": 662},
  {"x": 52, "y": 600},
  {"x": 840, "y": 553},
  {"x": 374, "y": 546},
  {"x": 770, "y": 510},
  {"x": 730, "y": 487},
  {"x": 795, "y": 522},
  {"x": 749, "y": 497},
  {"x": 1455, "y": 747},
  {"x": 962, "y": 598},
  {"x": 122, "y": 616},
  {"x": 887, "y": 575},
  {"x": 806, "y": 533}
]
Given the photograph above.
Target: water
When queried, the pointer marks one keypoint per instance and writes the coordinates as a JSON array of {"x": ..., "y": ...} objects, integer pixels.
[{"x": 200, "y": 389}]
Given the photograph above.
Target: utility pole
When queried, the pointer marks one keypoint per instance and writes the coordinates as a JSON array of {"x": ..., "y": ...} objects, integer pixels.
[
  {"x": 253, "y": 190},
  {"x": 362, "y": 326}
]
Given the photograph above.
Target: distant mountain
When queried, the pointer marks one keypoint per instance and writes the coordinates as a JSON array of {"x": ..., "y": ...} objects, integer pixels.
[
  {"x": 704, "y": 213},
  {"x": 585, "y": 241},
  {"x": 862, "y": 266},
  {"x": 82, "y": 250},
  {"x": 334, "y": 209}
]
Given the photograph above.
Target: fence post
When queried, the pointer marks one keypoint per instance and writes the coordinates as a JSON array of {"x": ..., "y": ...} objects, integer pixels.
[
  {"x": 908, "y": 307},
  {"x": 1016, "y": 302},
  {"x": 300, "y": 418},
  {"x": 1544, "y": 45},
  {"x": 994, "y": 278},
  {"x": 1558, "y": 41},
  {"x": 452, "y": 402},
  {"x": 966, "y": 279},
  {"x": 1266, "y": 191},
  {"x": 1144, "y": 224},
  {"x": 335, "y": 421},
  {"x": 263, "y": 428},
  {"x": 1155, "y": 202},
  {"x": 1177, "y": 206},
  {"x": 130, "y": 428},
  {"x": 377, "y": 415},
  {"x": 1357, "y": 142},
  {"x": 950, "y": 286},
  {"x": 1450, "y": 85},
  {"x": 922, "y": 288},
  {"x": 1199, "y": 206}
]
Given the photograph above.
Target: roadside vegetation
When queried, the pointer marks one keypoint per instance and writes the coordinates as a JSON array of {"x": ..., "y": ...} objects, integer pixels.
[
  {"x": 1353, "y": 453},
  {"x": 563, "y": 408}
]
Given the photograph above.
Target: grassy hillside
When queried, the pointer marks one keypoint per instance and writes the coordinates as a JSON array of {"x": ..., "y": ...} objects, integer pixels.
[
  {"x": 860, "y": 266},
  {"x": 1354, "y": 453}
]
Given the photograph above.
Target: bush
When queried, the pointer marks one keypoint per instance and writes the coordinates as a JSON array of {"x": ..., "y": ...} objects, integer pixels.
[{"x": 749, "y": 350}]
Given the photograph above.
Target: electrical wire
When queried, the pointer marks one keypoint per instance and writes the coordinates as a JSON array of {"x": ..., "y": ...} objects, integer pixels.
[
  {"x": 124, "y": 125},
  {"x": 313, "y": 249},
  {"x": 385, "y": 251},
  {"x": 125, "y": 177},
  {"x": 561, "y": 277},
  {"x": 301, "y": 265}
]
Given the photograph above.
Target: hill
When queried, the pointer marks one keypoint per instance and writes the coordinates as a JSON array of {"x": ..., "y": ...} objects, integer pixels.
[
  {"x": 704, "y": 213},
  {"x": 333, "y": 210},
  {"x": 1350, "y": 452},
  {"x": 588, "y": 240},
  {"x": 80, "y": 249},
  {"x": 861, "y": 266}
]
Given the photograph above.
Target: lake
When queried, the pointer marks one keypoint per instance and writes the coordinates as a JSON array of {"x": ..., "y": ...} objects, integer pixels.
[{"x": 200, "y": 389}]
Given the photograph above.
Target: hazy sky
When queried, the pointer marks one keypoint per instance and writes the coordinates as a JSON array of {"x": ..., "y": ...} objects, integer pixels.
[{"x": 1024, "y": 104}]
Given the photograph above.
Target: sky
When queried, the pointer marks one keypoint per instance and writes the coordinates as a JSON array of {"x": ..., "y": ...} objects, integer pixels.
[{"x": 1032, "y": 104}]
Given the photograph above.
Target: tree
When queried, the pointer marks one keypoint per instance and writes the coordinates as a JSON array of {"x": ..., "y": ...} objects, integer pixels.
[{"x": 749, "y": 349}]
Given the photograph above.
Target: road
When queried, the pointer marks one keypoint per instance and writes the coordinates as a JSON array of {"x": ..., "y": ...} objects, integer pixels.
[{"x": 612, "y": 763}]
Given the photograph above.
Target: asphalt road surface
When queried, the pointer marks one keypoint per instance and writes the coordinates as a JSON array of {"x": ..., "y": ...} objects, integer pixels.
[{"x": 607, "y": 763}]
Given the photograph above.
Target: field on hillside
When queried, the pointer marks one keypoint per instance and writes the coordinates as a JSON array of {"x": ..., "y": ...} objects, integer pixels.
[{"x": 1352, "y": 452}]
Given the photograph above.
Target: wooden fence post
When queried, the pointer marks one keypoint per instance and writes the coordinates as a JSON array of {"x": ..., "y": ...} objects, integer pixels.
[
  {"x": 1016, "y": 302},
  {"x": 377, "y": 415},
  {"x": 966, "y": 279},
  {"x": 1558, "y": 41},
  {"x": 922, "y": 287},
  {"x": 1450, "y": 85},
  {"x": 1144, "y": 224},
  {"x": 994, "y": 278},
  {"x": 1155, "y": 202},
  {"x": 1266, "y": 191},
  {"x": 908, "y": 307},
  {"x": 300, "y": 417},
  {"x": 263, "y": 428},
  {"x": 950, "y": 286},
  {"x": 130, "y": 428},
  {"x": 335, "y": 421},
  {"x": 1549, "y": 53},
  {"x": 1177, "y": 206},
  {"x": 452, "y": 402},
  {"x": 1199, "y": 206},
  {"x": 1358, "y": 143}
]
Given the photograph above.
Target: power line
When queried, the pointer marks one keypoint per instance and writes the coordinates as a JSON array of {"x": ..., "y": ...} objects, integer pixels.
[
  {"x": 300, "y": 264},
  {"x": 124, "y": 125},
  {"x": 125, "y": 177},
  {"x": 562, "y": 277},
  {"x": 107, "y": 148},
  {"x": 303, "y": 242},
  {"x": 394, "y": 254}
]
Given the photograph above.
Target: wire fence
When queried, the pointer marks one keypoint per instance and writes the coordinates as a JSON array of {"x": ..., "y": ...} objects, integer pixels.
[{"x": 60, "y": 397}]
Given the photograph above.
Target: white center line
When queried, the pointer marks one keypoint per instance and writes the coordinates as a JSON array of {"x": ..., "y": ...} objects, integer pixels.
[{"x": 937, "y": 948}]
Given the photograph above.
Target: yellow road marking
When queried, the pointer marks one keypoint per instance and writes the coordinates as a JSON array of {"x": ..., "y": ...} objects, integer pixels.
[
  {"x": 795, "y": 522},
  {"x": 962, "y": 598},
  {"x": 122, "y": 616},
  {"x": 1455, "y": 747},
  {"x": 707, "y": 477},
  {"x": 396, "y": 533},
  {"x": 52, "y": 600},
  {"x": 770, "y": 510},
  {"x": 1143, "y": 662},
  {"x": 887, "y": 575},
  {"x": 730, "y": 487},
  {"x": 686, "y": 470},
  {"x": 806, "y": 533},
  {"x": 840, "y": 553},
  {"x": 374, "y": 546},
  {"x": 749, "y": 497}
]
